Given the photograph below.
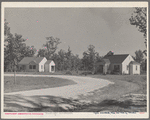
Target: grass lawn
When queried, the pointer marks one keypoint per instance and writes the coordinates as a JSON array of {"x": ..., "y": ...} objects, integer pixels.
[
  {"x": 139, "y": 80},
  {"x": 36, "y": 73},
  {"x": 112, "y": 97},
  {"x": 127, "y": 94},
  {"x": 30, "y": 83}
]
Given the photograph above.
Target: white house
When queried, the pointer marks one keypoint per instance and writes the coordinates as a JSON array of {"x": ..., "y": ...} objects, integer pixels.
[
  {"x": 50, "y": 66},
  {"x": 33, "y": 64},
  {"x": 123, "y": 64}
]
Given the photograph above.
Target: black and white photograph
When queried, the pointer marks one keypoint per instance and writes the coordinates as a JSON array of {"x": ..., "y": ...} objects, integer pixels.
[{"x": 74, "y": 60}]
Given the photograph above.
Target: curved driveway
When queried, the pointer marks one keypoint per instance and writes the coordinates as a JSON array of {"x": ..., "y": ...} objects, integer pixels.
[{"x": 83, "y": 86}]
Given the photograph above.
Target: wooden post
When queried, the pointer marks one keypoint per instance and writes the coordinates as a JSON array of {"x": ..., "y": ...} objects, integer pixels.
[
  {"x": 15, "y": 72},
  {"x": 15, "y": 77}
]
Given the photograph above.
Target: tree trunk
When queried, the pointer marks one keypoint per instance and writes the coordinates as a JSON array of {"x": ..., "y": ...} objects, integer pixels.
[{"x": 14, "y": 75}]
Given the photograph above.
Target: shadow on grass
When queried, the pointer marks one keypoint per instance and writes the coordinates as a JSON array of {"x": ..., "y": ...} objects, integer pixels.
[
  {"x": 19, "y": 103},
  {"x": 124, "y": 104}
]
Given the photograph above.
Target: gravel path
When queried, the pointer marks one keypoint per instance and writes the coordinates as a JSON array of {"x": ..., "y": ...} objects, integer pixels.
[{"x": 83, "y": 86}]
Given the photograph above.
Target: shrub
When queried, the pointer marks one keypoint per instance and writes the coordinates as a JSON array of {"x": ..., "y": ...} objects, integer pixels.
[
  {"x": 68, "y": 73},
  {"x": 86, "y": 73},
  {"x": 109, "y": 72},
  {"x": 115, "y": 73}
]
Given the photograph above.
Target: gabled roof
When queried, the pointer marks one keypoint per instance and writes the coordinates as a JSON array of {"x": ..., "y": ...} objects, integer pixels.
[
  {"x": 48, "y": 61},
  {"x": 116, "y": 58},
  {"x": 38, "y": 59},
  {"x": 106, "y": 60},
  {"x": 27, "y": 60},
  {"x": 103, "y": 61},
  {"x": 134, "y": 62}
]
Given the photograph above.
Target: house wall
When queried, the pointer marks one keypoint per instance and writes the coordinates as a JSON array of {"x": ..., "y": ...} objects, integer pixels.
[
  {"x": 125, "y": 63},
  {"x": 112, "y": 67},
  {"x": 41, "y": 69},
  {"x": 136, "y": 71},
  {"x": 106, "y": 68},
  {"x": 46, "y": 67},
  {"x": 20, "y": 66},
  {"x": 27, "y": 68},
  {"x": 131, "y": 69},
  {"x": 32, "y": 70},
  {"x": 50, "y": 66}
]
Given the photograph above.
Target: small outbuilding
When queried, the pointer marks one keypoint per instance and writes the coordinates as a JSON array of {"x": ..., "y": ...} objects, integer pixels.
[
  {"x": 50, "y": 66},
  {"x": 134, "y": 68}
]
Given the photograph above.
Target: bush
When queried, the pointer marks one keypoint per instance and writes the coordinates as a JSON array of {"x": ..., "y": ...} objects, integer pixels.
[
  {"x": 109, "y": 72},
  {"x": 68, "y": 73},
  {"x": 86, "y": 73},
  {"x": 115, "y": 73}
]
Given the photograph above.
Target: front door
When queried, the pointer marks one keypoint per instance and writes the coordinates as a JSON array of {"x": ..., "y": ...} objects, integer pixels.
[
  {"x": 131, "y": 69},
  {"x": 52, "y": 68},
  {"x": 116, "y": 68}
]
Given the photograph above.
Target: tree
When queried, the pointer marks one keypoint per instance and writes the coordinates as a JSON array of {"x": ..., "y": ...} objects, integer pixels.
[
  {"x": 42, "y": 53},
  {"x": 76, "y": 63},
  {"x": 98, "y": 57},
  {"x": 11, "y": 52},
  {"x": 69, "y": 58},
  {"x": 139, "y": 57},
  {"x": 62, "y": 59},
  {"x": 89, "y": 58},
  {"x": 28, "y": 51},
  {"x": 85, "y": 61},
  {"x": 11, "y": 48},
  {"x": 51, "y": 45},
  {"x": 14, "y": 49},
  {"x": 139, "y": 19}
]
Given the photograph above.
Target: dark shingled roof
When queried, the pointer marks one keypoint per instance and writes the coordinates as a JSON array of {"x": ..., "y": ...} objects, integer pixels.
[
  {"x": 134, "y": 62},
  {"x": 27, "y": 60},
  {"x": 116, "y": 58},
  {"x": 103, "y": 61},
  {"x": 39, "y": 59},
  {"x": 106, "y": 60},
  {"x": 48, "y": 61}
]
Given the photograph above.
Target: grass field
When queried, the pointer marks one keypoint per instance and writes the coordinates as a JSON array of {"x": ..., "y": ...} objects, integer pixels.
[
  {"x": 139, "y": 80},
  {"x": 128, "y": 94},
  {"x": 30, "y": 83}
]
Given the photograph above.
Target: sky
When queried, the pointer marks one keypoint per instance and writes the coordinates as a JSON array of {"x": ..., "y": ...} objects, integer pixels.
[{"x": 108, "y": 29}]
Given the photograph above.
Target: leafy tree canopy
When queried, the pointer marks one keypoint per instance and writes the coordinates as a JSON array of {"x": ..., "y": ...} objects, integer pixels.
[{"x": 139, "y": 19}]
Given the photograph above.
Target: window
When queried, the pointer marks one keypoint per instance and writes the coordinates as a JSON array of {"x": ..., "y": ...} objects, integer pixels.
[
  {"x": 30, "y": 67},
  {"x": 41, "y": 66},
  {"x": 127, "y": 67},
  {"x": 136, "y": 67},
  {"x": 34, "y": 66},
  {"x": 20, "y": 68},
  {"x": 52, "y": 68},
  {"x": 116, "y": 68}
]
